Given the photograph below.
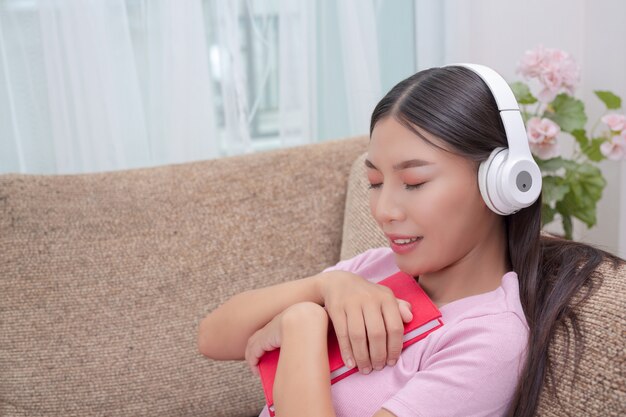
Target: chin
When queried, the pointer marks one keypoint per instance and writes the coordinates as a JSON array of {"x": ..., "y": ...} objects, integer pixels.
[{"x": 408, "y": 267}]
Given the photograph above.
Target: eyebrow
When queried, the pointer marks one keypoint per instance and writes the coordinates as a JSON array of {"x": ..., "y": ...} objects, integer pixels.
[{"x": 411, "y": 163}]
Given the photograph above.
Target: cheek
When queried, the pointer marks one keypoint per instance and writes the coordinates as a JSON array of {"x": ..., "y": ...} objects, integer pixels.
[
  {"x": 437, "y": 206},
  {"x": 452, "y": 213}
]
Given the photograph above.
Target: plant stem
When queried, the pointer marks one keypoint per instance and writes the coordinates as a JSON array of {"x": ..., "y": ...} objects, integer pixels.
[{"x": 595, "y": 126}]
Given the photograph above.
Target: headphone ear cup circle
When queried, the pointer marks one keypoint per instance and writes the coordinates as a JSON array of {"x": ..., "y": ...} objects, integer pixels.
[{"x": 490, "y": 181}]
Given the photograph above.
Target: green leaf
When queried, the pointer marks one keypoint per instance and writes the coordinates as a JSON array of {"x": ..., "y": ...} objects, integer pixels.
[
  {"x": 522, "y": 93},
  {"x": 610, "y": 100},
  {"x": 547, "y": 214},
  {"x": 585, "y": 213},
  {"x": 553, "y": 188},
  {"x": 568, "y": 113},
  {"x": 591, "y": 180},
  {"x": 589, "y": 148},
  {"x": 581, "y": 199},
  {"x": 581, "y": 138},
  {"x": 586, "y": 185},
  {"x": 593, "y": 150},
  {"x": 551, "y": 165},
  {"x": 554, "y": 164},
  {"x": 567, "y": 226}
]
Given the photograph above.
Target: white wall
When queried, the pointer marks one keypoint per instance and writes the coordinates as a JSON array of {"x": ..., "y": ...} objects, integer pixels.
[{"x": 497, "y": 33}]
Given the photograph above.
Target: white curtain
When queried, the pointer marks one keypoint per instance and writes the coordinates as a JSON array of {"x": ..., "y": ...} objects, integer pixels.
[
  {"x": 360, "y": 60},
  {"x": 232, "y": 77},
  {"x": 297, "y": 68},
  {"x": 85, "y": 95},
  {"x": 99, "y": 85}
]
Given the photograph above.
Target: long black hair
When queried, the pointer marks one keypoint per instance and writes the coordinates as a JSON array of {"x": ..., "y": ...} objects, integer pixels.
[{"x": 454, "y": 104}]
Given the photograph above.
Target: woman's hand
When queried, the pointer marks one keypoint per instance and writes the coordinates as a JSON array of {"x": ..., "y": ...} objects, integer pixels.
[
  {"x": 266, "y": 339},
  {"x": 269, "y": 337},
  {"x": 365, "y": 313}
]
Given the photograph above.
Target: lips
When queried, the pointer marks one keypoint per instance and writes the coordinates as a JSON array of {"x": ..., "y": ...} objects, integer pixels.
[{"x": 402, "y": 244}]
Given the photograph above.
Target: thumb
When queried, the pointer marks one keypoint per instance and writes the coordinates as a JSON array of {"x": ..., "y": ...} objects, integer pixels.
[{"x": 405, "y": 310}]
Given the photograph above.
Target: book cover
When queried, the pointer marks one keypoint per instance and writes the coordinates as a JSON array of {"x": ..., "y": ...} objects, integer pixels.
[{"x": 426, "y": 319}]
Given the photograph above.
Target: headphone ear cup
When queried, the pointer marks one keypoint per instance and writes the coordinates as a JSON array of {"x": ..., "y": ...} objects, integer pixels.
[{"x": 489, "y": 180}]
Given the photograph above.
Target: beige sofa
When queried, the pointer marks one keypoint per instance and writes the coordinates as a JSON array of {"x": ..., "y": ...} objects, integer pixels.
[{"x": 105, "y": 277}]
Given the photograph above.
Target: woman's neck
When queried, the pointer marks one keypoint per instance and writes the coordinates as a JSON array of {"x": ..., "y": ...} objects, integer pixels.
[{"x": 479, "y": 271}]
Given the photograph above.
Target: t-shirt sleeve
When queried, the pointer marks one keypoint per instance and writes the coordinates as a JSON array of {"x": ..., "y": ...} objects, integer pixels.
[
  {"x": 372, "y": 264},
  {"x": 473, "y": 372},
  {"x": 353, "y": 264}
]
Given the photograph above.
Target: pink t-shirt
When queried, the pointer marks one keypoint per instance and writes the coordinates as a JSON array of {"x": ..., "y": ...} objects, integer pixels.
[{"x": 468, "y": 367}]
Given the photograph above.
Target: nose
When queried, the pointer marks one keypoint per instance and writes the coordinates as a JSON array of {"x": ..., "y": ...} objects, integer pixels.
[{"x": 386, "y": 206}]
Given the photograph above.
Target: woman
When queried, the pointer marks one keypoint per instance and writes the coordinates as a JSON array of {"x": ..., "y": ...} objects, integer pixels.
[{"x": 501, "y": 287}]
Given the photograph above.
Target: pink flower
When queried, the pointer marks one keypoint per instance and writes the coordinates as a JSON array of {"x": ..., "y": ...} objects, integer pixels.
[
  {"x": 616, "y": 122},
  {"x": 542, "y": 135},
  {"x": 530, "y": 65},
  {"x": 552, "y": 81},
  {"x": 615, "y": 148},
  {"x": 555, "y": 70}
]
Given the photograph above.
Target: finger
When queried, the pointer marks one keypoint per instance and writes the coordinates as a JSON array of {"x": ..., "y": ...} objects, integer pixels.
[
  {"x": 253, "y": 352},
  {"x": 395, "y": 330},
  {"x": 358, "y": 338},
  {"x": 405, "y": 310},
  {"x": 247, "y": 355},
  {"x": 376, "y": 335},
  {"x": 340, "y": 325}
]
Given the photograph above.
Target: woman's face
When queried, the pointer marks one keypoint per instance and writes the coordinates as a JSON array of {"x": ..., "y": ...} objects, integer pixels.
[{"x": 420, "y": 191}]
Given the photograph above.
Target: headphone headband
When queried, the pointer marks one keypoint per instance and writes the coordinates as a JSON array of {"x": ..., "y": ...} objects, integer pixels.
[
  {"x": 499, "y": 87},
  {"x": 509, "y": 110},
  {"x": 509, "y": 179}
]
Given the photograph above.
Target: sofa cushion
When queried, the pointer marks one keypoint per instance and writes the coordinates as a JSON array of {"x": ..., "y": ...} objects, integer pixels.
[
  {"x": 360, "y": 231},
  {"x": 599, "y": 389},
  {"x": 105, "y": 277}
]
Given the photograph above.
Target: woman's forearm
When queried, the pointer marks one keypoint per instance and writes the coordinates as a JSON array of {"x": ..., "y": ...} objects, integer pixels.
[
  {"x": 224, "y": 333},
  {"x": 302, "y": 383}
]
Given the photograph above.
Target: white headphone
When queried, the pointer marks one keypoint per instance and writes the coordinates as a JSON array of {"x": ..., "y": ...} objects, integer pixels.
[{"x": 509, "y": 179}]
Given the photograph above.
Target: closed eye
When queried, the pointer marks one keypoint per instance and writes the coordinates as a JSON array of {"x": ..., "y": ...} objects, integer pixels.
[{"x": 406, "y": 186}]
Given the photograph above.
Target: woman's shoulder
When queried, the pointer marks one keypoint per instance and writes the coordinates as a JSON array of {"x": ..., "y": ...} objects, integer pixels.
[
  {"x": 502, "y": 302},
  {"x": 494, "y": 339},
  {"x": 373, "y": 264},
  {"x": 495, "y": 319}
]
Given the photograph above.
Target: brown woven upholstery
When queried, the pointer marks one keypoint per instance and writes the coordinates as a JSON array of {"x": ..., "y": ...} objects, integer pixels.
[
  {"x": 601, "y": 388},
  {"x": 105, "y": 277},
  {"x": 360, "y": 231}
]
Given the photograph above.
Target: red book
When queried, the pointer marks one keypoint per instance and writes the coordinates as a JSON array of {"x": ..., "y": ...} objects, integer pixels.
[{"x": 426, "y": 318}]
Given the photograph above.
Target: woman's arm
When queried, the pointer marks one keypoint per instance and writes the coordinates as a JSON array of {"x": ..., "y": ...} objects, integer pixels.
[
  {"x": 302, "y": 383},
  {"x": 223, "y": 334}
]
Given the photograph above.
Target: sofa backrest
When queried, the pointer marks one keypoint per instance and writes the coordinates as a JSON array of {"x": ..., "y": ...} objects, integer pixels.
[{"x": 105, "y": 277}]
